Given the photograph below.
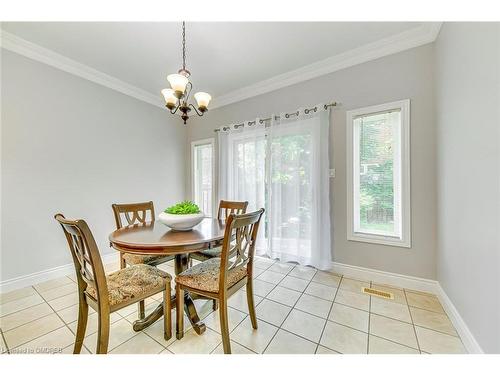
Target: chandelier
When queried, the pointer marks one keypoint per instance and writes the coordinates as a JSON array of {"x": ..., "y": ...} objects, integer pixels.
[{"x": 177, "y": 96}]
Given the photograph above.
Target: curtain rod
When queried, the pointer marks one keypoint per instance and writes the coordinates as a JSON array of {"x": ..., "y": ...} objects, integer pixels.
[{"x": 287, "y": 115}]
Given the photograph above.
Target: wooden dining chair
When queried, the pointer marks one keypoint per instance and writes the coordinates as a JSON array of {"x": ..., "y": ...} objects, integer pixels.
[
  {"x": 226, "y": 208},
  {"x": 219, "y": 278},
  {"x": 109, "y": 293},
  {"x": 137, "y": 213}
]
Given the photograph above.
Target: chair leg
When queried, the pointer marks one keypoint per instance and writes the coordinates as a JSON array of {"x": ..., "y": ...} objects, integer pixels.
[
  {"x": 141, "y": 309},
  {"x": 224, "y": 325},
  {"x": 215, "y": 304},
  {"x": 179, "y": 311},
  {"x": 102, "y": 333},
  {"x": 251, "y": 304},
  {"x": 83, "y": 313},
  {"x": 122, "y": 262},
  {"x": 167, "y": 313}
]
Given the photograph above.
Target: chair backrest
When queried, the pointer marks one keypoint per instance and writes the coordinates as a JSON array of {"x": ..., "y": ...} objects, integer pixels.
[
  {"x": 238, "y": 247},
  {"x": 86, "y": 257},
  {"x": 134, "y": 213},
  {"x": 227, "y": 208}
]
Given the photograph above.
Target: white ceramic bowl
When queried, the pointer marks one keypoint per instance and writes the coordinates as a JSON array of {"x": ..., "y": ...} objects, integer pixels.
[{"x": 181, "y": 222}]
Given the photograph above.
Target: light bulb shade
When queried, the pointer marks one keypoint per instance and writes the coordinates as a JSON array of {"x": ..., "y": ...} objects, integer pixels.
[
  {"x": 170, "y": 98},
  {"x": 202, "y": 98},
  {"x": 178, "y": 82}
]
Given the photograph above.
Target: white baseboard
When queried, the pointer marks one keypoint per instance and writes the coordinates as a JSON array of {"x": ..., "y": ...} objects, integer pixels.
[
  {"x": 465, "y": 334},
  {"x": 419, "y": 284},
  {"x": 52, "y": 273},
  {"x": 383, "y": 277}
]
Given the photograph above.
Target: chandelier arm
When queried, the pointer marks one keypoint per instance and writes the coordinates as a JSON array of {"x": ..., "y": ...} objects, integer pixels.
[
  {"x": 176, "y": 108},
  {"x": 196, "y": 110},
  {"x": 188, "y": 91}
]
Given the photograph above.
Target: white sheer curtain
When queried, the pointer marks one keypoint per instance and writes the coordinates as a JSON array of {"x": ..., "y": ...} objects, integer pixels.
[
  {"x": 283, "y": 167},
  {"x": 299, "y": 188},
  {"x": 242, "y": 161}
]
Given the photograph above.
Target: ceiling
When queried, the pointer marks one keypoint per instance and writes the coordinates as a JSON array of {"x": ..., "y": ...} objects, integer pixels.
[{"x": 222, "y": 56}]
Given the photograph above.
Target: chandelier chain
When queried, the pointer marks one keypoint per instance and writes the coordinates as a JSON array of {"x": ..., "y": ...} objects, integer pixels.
[
  {"x": 177, "y": 97},
  {"x": 183, "y": 45}
]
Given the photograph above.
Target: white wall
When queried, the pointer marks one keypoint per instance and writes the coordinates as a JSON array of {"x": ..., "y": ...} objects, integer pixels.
[
  {"x": 71, "y": 146},
  {"x": 468, "y": 121},
  {"x": 406, "y": 75}
]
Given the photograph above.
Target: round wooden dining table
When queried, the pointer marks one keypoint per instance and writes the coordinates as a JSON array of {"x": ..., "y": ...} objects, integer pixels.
[{"x": 154, "y": 238}]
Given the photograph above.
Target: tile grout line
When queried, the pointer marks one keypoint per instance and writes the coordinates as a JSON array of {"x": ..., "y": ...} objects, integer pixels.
[
  {"x": 242, "y": 320},
  {"x": 60, "y": 286},
  {"x": 31, "y": 321},
  {"x": 110, "y": 324},
  {"x": 412, "y": 324},
  {"x": 5, "y": 342},
  {"x": 37, "y": 337},
  {"x": 46, "y": 333},
  {"x": 395, "y": 342},
  {"x": 263, "y": 298},
  {"x": 356, "y": 308},
  {"x": 421, "y": 308},
  {"x": 301, "y": 294},
  {"x": 399, "y": 320},
  {"x": 304, "y": 292},
  {"x": 279, "y": 327},
  {"x": 286, "y": 317},
  {"x": 431, "y": 329},
  {"x": 247, "y": 315},
  {"x": 23, "y": 309},
  {"x": 62, "y": 320},
  {"x": 30, "y": 307},
  {"x": 369, "y": 321},
  {"x": 236, "y": 326},
  {"x": 130, "y": 338},
  {"x": 329, "y": 312},
  {"x": 64, "y": 323},
  {"x": 88, "y": 314},
  {"x": 213, "y": 312}
]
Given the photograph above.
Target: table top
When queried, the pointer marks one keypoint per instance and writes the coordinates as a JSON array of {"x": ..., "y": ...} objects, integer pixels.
[{"x": 157, "y": 237}]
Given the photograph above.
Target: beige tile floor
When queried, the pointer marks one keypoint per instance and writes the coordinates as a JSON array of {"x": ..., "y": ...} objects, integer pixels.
[{"x": 299, "y": 310}]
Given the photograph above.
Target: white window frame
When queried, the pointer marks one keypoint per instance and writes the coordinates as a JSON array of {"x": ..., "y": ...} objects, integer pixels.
[
  {"x": 203, "y": 142},
  {"x": 351, "y": 148}
]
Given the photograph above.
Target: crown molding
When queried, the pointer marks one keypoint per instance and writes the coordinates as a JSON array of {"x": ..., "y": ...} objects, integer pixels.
[
  {"x": 415, "y": 37},
  {"x": 426, "y": 33},
  {"x": 38, "y": 53}
]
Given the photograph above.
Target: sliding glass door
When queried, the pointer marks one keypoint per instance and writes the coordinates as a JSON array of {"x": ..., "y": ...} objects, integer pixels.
[{"x": 283, "y": 167}]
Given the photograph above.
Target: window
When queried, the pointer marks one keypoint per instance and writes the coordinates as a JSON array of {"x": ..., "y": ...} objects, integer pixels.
[
  {"x": 378, "y": 174},
  {"x": 202, "y": 159}
]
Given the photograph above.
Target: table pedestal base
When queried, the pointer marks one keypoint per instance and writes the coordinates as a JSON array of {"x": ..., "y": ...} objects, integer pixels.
[
  {"x": 181, "y": 263},
  {"x": 157, "y": 313}
]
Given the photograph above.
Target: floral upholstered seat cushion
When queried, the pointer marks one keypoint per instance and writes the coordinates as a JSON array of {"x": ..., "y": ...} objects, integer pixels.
[
  {"x": 131, "y": 282},
  {"x": 205, "y": 276},
  {"x": 140, "y": 259}
]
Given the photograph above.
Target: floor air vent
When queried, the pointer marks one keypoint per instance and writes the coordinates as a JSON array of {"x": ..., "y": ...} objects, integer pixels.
[{"x": 377, "y": 293}]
